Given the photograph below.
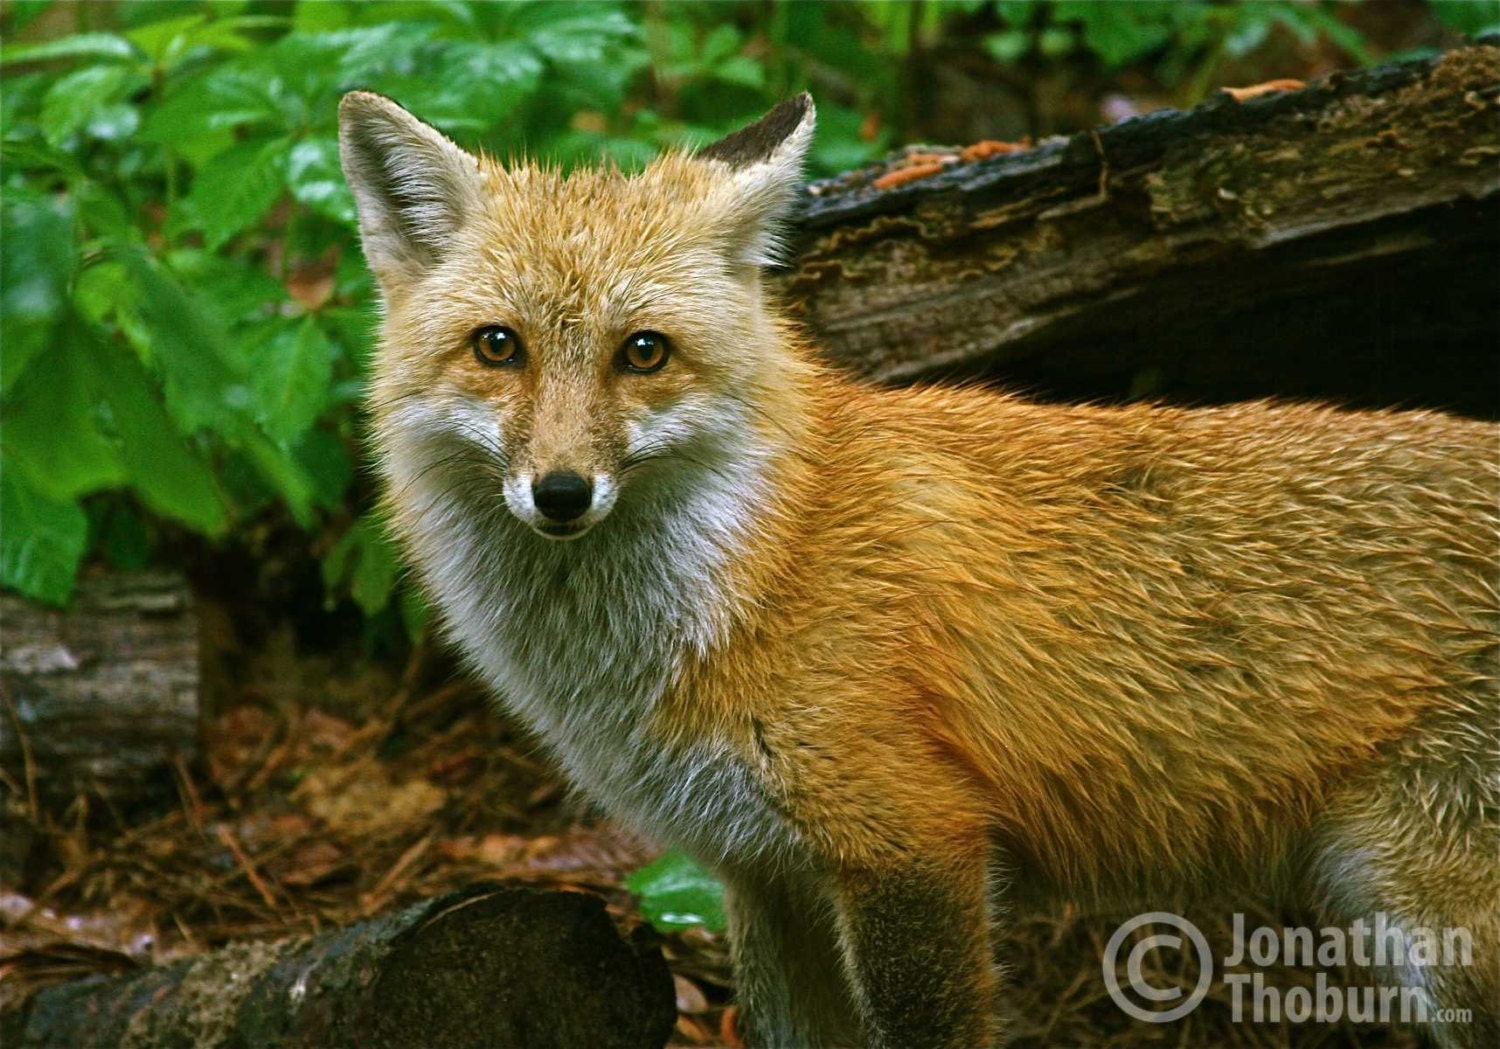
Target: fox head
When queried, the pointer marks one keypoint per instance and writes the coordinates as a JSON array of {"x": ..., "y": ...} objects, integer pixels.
[{"x": 566, "y": 345}]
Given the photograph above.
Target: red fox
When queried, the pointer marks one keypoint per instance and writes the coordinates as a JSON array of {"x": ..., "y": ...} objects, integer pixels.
[{"x": 887, "y": 658}]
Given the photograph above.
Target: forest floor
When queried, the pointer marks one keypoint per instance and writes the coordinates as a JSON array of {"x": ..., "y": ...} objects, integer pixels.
[{"x": 334, "y": 788}]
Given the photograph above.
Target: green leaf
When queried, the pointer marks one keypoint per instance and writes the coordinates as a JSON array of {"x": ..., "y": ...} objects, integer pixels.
[
  {"x": 366, "y": 557},
  {"x": 1121, "y": 33},
  {"x": 204, "y": 390},
  {"x": 1007, "y": 47},
  {"x": 283, "y": 473},
  {"x": 239, "y": 289},
  {"x": 165, "y": 39},
  {"x": 1017, "y": 12},
  {"x": 52, "y": 423},
  {"x": 721, "y": 42},
  {"x": 596, "y": 51},
  {"x": 473, "y": 86},
  {"x": 103, "y": 214},
  {"x": 1055, "y": 42},
  {"x": 104, "y": 290},
  {"x": 741, "y": 70},
  {"x": 170, "y": 479},
  {"x": 35, "y": 268},
  {"x": 416, "y": 613},
  {"x": 1471, "y": 17},
  {"x": 316, "y": 178},
  {"x": 23, "y": 11},
  {"x": 237, "y": 187},
  {"x": 375, "y": 574},
  {"x": 580, "y": 35},
  {"x": 324, "y": 17},
  {"x": 200, "y": 110},
  {"x": 290, "y": 375},
  {"x": 838, "y": 145},
  {"x": 676, "y": 891},
  {"x": 90, "y": 100},
  {"x": 42, "y": 540},
  {"x": 314, "y": 68},
  {"x": 38, "y": 156},
  {"x": 325, "y": 460},
  {"x": 80, "y": 45},
  {"x": 226, "y": 34},
  {"x": 169, "y": 42}
]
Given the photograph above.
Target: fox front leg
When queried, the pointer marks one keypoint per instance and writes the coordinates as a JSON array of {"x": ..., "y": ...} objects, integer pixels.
[
  {"x": 916, "y": 940},
  {"x": 792, "y": 993}
]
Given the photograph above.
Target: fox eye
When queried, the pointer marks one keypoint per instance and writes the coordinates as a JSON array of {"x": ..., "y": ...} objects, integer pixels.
[
  {"x": 495, "y": 345},
  {"x": 645, "y": 351}
]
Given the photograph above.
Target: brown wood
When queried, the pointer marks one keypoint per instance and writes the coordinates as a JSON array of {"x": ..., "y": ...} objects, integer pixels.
[
  {"x": 1336, "y": 241},
  {"x": 492, "y": 967},
  {"x": 101, "y": 698}
]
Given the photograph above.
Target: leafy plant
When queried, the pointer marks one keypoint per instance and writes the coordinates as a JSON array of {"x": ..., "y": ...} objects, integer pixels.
[
  {"x": 186, "y": 321},
  {"x": 677, "y": 892},
  {"x": 1184, "y": 39}
]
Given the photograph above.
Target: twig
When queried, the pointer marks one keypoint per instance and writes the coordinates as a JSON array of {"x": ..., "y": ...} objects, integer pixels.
[
  {"x": 377, "y": 897},
  {"x": 229, "y": 840},
  {"x": 192, "y": 803},
  {"x": 27, "y": 761},
  {"x": 1103, "y": 164},
  {"x": 411, "y": 675}
]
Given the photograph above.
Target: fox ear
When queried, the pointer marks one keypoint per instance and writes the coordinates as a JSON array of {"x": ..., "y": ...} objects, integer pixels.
[
  {"x": 765, "y": 170},
  {"x": 412, "y": 186}
]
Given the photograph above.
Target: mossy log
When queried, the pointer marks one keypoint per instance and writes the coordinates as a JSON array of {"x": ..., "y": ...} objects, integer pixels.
[
  {"x": 1337, "y": 241},
  {"x": 488, "y": 968}
]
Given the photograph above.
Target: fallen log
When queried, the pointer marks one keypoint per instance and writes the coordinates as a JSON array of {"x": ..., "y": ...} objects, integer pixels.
[
  {"x": 101, "y": 698},
  {"x": 1336, "y": 241},
  {"x": 491, "y": 967}
]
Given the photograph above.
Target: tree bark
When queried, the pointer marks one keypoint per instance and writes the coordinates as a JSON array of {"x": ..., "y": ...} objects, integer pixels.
[
  {"x": 1337, "y": 241},
  {"x": 100, "y": 698},
  {"x": 490, "y": 967}
]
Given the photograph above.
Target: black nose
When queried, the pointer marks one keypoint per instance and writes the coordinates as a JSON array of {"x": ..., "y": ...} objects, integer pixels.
[{"x": 562, "y": 495}]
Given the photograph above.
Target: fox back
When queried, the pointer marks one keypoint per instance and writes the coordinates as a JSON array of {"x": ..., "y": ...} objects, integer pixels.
[{"x": 861, "y": 649}]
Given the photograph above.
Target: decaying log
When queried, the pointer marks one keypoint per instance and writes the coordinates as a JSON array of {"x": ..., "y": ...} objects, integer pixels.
[
  {"x": 491, "y": 967},
  {"x": 101, "y": 697},
  {"x": 1337, "y": 241}
]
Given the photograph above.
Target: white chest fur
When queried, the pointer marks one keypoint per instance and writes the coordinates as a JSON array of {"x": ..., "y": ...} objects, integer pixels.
[{"x": 583, "y": 639}]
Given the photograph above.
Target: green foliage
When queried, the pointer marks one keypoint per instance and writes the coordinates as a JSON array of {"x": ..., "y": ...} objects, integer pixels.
[
  {"x": 169, "y": 180},
  {"x": 41, "y": 540},
  {"x": 1471, "y": 17},
  {"x": 677, "y": 892},
  {"x": 1182, "y": 39},
  {"x": 186, "y": 317}
]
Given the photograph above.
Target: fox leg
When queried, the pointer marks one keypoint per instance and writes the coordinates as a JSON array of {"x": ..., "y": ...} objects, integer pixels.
[
  {"x": 792, "y": 990},
  {"x": 1417, "y": 844},
  {"x": 916, "y": 936}
]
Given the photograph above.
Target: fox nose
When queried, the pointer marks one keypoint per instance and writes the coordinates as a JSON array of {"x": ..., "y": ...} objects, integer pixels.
[{"x": 562, "y": 495}]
